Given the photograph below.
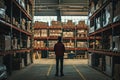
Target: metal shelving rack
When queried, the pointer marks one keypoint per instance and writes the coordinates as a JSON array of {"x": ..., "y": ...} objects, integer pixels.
[
  {"x": 73, "y": 28},
  {"x": 17, "y": 11},
  {"x": 104, "y": 58}
]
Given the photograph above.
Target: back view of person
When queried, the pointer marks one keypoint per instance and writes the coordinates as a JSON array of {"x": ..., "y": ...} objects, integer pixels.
[{"x": 59, "y": 52}]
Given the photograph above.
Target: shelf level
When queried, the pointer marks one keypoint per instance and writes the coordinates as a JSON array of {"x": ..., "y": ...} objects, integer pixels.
[
  {"x": 110, "y": 53},
  {"x": 100, "y": 9},
  {"x": 110, "y": 26},
  {"x": 22, "y": 9},
  {"x": 14, "y": 27}
]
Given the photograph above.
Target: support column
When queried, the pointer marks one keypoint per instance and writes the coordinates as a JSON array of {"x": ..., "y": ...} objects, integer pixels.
[{"x": 58, "y": 15}]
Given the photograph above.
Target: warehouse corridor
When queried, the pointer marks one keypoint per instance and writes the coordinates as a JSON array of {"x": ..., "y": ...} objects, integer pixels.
[{"x": 44, "y": 69}]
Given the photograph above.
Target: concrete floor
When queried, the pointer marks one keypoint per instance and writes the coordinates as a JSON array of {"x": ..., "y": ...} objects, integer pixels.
[{"x": 44, "y": 69}]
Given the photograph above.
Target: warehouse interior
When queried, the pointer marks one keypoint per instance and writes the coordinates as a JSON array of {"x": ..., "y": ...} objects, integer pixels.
[{"x": 90, "y": 31}]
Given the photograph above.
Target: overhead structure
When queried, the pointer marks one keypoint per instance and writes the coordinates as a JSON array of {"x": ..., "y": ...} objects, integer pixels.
[{"x": 63, "y": 7}]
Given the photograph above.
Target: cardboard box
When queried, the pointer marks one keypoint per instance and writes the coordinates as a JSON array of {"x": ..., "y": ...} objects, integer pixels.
[{"x": 5, "y": 42}]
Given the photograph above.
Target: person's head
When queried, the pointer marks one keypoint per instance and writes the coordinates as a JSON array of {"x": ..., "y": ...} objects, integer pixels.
[{"x": 59, "y": 38}]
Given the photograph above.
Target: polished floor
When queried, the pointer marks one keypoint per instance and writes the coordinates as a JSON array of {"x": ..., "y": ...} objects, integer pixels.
[{"x": 44, "y": 69}]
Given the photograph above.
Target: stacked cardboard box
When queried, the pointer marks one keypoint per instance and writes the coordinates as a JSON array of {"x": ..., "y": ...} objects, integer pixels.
[
  {"x": 29, "y": 26},
  {"x": 55, "y": 32},
  {"x": 40, "y": 24},
  {"x": 68, "y": 34},
  {"x": 39, "y": 44},
  {"x": 69, "y": 44},
  {"x": 43, "y": 33},
  {"x": 5, "y": 42},
  {"x": 23, "y": 24},
  {"x": 36, "y": 33},
  {"x": 52, "y": 43},
  {"x": 82, "y": 44},
  {"x": 82, "y": 33}
]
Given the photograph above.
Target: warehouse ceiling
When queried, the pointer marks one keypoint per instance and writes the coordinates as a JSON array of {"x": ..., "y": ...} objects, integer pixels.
[{"x": 61, "y": 7}]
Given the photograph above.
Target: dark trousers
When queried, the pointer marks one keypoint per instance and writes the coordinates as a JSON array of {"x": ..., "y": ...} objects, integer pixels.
[{"x": 59, "y": 59}]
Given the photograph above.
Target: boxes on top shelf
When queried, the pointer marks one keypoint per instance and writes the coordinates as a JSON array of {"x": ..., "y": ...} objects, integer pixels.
[
  {"x": 40, "y": 24},
  {"x": 68, "y": 24},
  {"x": 81, "y": 24},
  {"x": 56, "y": 23}
]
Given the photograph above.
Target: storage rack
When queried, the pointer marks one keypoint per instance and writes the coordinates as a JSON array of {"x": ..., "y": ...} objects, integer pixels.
[
  {"x": 16, "y": 32},
  {"x": 103, "y": 24},
  {"x": 48, "y": 38}
]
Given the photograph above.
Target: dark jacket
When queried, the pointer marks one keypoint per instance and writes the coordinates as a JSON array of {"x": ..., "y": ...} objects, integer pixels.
[{"x": 59, "y": 49}]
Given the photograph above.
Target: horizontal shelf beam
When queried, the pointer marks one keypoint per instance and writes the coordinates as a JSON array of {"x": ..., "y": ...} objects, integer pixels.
[
  {"x": 105, "y": 52},
  {"x": 14, "y": 51}
]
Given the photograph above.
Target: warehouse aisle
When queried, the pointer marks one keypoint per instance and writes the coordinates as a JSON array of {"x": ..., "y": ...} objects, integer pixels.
[{"x": 46, "y": 71}]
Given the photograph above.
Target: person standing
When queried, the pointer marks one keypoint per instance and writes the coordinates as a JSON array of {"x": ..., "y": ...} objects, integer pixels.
[{"x": 59, "y": 49}]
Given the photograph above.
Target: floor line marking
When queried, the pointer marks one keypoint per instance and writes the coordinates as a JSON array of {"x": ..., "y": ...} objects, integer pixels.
[
  {"x": 48, "y": 73},
  {"x": 79, "y": 72}
]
